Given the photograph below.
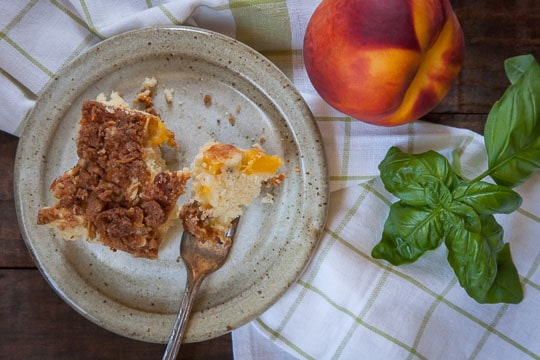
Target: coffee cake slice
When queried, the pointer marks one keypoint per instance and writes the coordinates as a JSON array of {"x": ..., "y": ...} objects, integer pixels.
[
  {"x": 120, "y": 193},
  {"x": 225, "y": 180}
]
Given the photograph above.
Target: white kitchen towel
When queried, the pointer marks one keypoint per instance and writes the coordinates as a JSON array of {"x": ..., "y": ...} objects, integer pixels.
[{"x": 346, "y": 305}]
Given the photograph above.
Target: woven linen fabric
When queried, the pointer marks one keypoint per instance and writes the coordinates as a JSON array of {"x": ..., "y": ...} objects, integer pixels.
[{"x": 346, "y": 305}]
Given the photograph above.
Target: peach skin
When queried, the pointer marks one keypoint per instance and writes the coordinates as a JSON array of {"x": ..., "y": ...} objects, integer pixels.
[{"x": 383, "y": 62}]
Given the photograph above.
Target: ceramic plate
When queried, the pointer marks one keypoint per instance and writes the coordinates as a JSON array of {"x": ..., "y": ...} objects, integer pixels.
[{"x": 139, "y": 298}]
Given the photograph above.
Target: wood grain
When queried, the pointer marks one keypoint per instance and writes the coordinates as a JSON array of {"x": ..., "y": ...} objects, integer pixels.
[
  {"x": 14, "y": 253},
  {"x": 40, "y": 323}
]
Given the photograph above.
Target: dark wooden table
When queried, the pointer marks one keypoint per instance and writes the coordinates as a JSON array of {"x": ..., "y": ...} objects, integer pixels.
[{"x": 36, "y": 324}]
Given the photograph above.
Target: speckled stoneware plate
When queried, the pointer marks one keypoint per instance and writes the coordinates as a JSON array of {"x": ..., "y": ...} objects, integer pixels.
[{"x": 139, "y": 298}]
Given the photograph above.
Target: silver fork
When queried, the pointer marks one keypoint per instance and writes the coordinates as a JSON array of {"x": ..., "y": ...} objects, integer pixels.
[{"x": 201, "y": 259}]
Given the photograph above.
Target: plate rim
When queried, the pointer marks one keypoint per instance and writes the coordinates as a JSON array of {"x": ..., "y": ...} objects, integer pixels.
[{"x": 28, "y": 136}]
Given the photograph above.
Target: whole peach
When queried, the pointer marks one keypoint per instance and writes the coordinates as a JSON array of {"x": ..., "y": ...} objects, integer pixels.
[{"x": 385, "y": 62}]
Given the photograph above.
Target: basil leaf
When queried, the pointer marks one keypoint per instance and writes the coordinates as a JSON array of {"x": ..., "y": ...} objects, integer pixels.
[
  {"x": 475, "y": 258},
  {"x": 512, "y": 130},
  {"x": 470, "y": 218},
  {"x": 417, "y": 179},
  {"x": 408, "y": 233},
  {"x": 506, "y": 287},
  {"x": 516, "y": 66},
  {"x": 493, "y": 232},
  {"x": 486, "y": 198},
  {"x": 472, "y": 261},
  {"x": 436, "y": 193}
]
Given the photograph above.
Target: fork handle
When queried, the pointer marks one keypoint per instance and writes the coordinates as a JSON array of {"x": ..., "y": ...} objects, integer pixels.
[{"x": 193, "y": 284}]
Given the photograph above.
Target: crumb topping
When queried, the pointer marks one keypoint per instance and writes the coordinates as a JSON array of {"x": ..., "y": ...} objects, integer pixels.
[
  {"x": 198, "y": 224},
  {"x": 111, "y": 191}
]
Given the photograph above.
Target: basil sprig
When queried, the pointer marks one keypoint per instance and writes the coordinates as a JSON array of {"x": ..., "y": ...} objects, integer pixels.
[{"x": 437, "y": 205}]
